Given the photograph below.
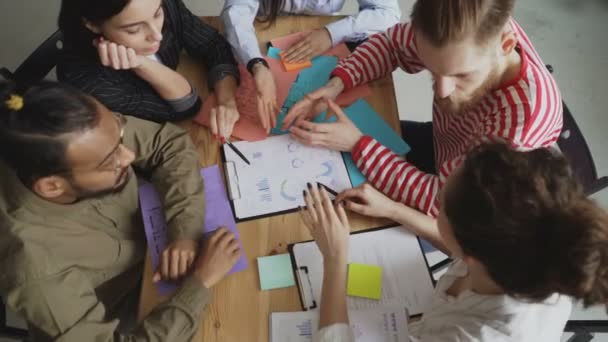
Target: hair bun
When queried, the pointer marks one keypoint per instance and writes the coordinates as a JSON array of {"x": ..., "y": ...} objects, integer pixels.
[
  {"x": 14, "y": 102},
  {"x": 9, "y": 98}
]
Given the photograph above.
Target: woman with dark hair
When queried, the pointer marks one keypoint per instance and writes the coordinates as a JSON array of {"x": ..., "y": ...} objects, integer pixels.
[
  {"x": 125, "y": 52},
  {"x": 238, "y": 16},
  {"x": 525, "y": 240}
]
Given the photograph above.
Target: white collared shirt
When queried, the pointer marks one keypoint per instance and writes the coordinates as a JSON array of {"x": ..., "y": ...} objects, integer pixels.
[
  {"x": 472, "y": 317},
  {"x": 374, "y": 16}
]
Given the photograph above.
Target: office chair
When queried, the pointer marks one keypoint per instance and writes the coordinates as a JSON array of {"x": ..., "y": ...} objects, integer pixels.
[
  {"x": 573, "y": 145},
  {"x": 35, "y": 67},
  {"x": 10, "y": 332}
]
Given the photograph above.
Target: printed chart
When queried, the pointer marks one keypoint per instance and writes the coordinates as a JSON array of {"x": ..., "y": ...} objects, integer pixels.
[{"x": 279, "y": 171}]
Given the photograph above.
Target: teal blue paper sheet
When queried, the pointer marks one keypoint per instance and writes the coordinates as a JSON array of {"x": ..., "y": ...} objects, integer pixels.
[{"x": 370, "y": 123}]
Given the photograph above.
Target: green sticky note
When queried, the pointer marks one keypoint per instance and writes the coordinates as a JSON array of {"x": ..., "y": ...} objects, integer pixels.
[
  {"x": 364, "y": 281},
  {"x": 275, "y": 272}
]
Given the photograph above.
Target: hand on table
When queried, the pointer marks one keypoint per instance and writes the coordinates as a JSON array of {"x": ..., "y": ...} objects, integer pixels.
[
  {"x": 220, "y": 252},
  {"x": 175, "y": 260},
  {"x": 317, "y": 42},
  {"x": 222, "y": 120},
  {"x": 118, "y": 57},
  {"x": 266, "y": 96},
  {"x": 341, "y": 135},
  {"x": 327, "y": 223},
  {"x": 367, "y": 200}
]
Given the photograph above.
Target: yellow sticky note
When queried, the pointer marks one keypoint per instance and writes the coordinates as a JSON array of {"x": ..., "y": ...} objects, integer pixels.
[{"x": 364, "y": 281}]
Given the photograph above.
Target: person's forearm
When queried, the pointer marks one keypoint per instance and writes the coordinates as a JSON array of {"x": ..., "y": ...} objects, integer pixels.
[
  {"x": 225, "y": 90},
  {"x": 373, "y": 17},
  {"x": 168, "y": 83},
  {"x": 419, "y": 224},
  {"x": 390, "y": 173},
  {"x": 167, "y": 154},
  {"x": 336, "y": 86},
  {"x": 333, "y": 296}
]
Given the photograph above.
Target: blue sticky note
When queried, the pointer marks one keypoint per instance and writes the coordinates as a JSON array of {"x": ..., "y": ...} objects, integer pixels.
[
  {"x": 275, "y": 272},
  {"x": 309, "y": 80},
  {"x": 273, "y": 52},
  {"x": 370, "y": 123}
]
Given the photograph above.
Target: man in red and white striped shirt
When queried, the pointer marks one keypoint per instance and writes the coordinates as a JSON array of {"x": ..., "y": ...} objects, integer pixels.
[{"x": 489, "y": 85}]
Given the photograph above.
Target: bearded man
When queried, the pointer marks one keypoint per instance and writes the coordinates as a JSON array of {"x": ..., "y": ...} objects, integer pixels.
[{"x": 490, "y": 85}]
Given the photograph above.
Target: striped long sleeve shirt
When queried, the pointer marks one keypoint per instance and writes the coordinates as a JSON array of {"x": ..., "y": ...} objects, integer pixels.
[{"x": 525, "y": 113}]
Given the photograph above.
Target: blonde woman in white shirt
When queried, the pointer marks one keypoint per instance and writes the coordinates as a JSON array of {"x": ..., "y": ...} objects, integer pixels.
[
  {"x": 524, "y": 238},
  {"x": 374, "y": 16}
]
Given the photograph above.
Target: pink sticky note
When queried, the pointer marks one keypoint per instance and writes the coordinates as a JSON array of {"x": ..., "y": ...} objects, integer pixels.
[{"x": 249, "y": 126}]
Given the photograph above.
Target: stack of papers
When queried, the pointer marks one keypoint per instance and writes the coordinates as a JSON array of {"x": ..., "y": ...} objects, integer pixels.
[{"x": 380, "y": 324}]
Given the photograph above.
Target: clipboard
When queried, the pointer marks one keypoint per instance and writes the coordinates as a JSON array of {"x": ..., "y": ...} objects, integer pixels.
[
  {"x": 233, "y": 167},
  {"x": 304, "y": 278}
]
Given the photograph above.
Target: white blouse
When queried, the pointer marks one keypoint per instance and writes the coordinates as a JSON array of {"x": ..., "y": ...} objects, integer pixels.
[
  {"x": 474, "y": 317},
  {"x": 374, "y": 16}
]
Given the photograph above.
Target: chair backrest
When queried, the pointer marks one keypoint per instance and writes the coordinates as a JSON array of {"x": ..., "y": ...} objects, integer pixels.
[
  {"x": 37, "y": 66},
  {"x": 10, "y": 332},
  {"x": 573, "y": 145}
]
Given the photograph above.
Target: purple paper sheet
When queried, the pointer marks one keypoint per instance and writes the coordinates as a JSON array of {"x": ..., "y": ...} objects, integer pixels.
[{"x": 218, "y": 213}]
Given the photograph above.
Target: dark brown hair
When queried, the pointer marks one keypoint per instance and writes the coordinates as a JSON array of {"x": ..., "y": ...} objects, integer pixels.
[
  {"x": 73, "y": 13},
  {"x": 33, "y": 138},
  {"x": 526, "y": 219},
  {"x": 443, "y": 21},
  {"x": 270, "y": 10}
]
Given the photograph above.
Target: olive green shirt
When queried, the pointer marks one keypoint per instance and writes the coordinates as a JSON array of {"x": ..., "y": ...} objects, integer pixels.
[{"x": 64, "y": 268}]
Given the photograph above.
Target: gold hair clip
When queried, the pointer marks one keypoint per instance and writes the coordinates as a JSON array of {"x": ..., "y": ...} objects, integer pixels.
[{"x": 15, "y": 102}]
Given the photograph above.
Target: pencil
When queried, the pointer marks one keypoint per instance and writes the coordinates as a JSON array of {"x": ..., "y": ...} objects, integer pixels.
[
  {"x": 330, "y": 190},
  {"x": 236, "y": 150}
]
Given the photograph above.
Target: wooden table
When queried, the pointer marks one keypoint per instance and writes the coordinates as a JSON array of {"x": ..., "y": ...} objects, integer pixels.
[{"x": 240, "y": 310}]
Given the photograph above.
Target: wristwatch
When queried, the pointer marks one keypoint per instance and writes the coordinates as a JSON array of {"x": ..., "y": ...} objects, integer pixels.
[{"x": 252, "y": 62}]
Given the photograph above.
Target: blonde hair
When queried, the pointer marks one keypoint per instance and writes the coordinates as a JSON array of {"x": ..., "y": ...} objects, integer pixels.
[{"x": 443, "y": 21}]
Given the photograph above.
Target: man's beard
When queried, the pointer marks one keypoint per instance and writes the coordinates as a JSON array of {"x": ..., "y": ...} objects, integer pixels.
[
  {"x": 121, "y": 183},
  {"x": 461, "y": 106}
]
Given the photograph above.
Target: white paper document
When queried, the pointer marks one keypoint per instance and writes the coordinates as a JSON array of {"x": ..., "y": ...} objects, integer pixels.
[
  {"x": 406, "y": 279},
  {"x": 280, "y": 168},
  {"x": 380, "y": 324}
]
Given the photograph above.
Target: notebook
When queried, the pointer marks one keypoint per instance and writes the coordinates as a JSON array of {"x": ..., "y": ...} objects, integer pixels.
[
  {"x": 406, "y": 277},
  {"x": 379, "y": 324}
]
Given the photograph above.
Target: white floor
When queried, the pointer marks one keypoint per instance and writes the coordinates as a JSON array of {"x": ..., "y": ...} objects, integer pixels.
[{"x": 569, "y": 34}]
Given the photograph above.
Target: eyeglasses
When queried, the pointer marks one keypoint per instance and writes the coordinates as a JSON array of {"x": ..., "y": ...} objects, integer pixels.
[{"x": 112, "y": 162}]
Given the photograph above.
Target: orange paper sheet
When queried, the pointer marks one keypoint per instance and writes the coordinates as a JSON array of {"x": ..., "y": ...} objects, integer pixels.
[{"x": 249, "y": 126}]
